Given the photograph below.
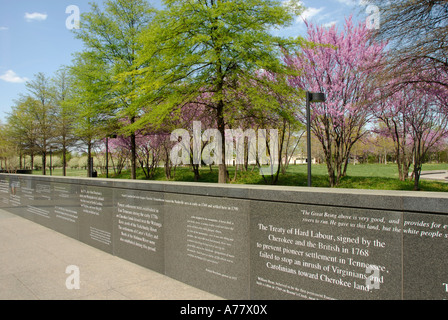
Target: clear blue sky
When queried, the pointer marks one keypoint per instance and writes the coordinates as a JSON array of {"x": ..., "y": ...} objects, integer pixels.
[{"x": 34, "y": 37}]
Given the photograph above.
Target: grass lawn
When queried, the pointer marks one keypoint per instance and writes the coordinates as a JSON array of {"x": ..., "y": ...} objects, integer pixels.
[
  {"x": 58, "y": 172},
  {"x": 363, "y": 176}
]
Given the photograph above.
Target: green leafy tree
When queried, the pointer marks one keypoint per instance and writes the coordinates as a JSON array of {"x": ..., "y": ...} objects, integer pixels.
[
  {"x": 8, "y": 146},
  {"x": 112, "y": 35},
  {"x": 64, "y": 112},
  {"x": 21, "y": 127},
  {"x": 91, "y": 87},
  {"x": 42, "y": 112},
  {"x": 212, "y": 47}
]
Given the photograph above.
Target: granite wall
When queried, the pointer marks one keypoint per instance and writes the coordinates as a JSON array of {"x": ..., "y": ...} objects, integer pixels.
[{"x": 253, "y": 242}]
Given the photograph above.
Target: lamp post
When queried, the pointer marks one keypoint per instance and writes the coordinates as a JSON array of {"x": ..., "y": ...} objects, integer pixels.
[{"x": 310, "y": 98}]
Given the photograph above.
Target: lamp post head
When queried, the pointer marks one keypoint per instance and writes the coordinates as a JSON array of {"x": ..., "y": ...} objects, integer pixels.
[{"x": 317, "y": 97}]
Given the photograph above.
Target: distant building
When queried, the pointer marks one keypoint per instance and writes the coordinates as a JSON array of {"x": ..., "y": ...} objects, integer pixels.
[{"x": 301, "y": 160}]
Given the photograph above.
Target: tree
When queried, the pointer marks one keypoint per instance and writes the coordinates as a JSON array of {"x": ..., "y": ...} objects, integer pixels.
[
  {"x": 91, "y": 83},
  {"x": 417, "y": 120},
  {"x": 184, "y": 118},
  {"x": 198, "y": 47},
  {"x": 275, "y": 108},
  {"x": 417, "y": 33},
  {"x": 377, "y": 144},
  {"x": 119, "y": 153},
  {"x": 42, "y": 112},
  {"x": 8, "y": 146},
  {"x": 65, "y": 113},
  {"x": 148, "y": 150},
  {"x": 112, "y": 35},
  {"x": 21, "y": 127},
  {"x": 429, "y": 127},
  {"x": 391, "y": 113},
  {"x": 340, "y": 67}
]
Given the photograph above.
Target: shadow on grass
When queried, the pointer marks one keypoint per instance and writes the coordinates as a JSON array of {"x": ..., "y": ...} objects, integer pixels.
[
  {"x": 290, "y": 179},
  {"x": 382, "y": 183}
]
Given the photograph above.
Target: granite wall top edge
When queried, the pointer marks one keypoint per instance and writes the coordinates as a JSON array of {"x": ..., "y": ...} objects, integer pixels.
[{"x": 409, "y": 201}]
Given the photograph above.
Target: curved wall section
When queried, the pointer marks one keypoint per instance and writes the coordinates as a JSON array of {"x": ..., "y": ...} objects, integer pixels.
[{"x": 253, "y": 242}]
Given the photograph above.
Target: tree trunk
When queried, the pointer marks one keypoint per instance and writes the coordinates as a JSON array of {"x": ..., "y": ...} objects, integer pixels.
[
  {"x": 44, "y": 163},
  {"x": 133, "y": 158},
  {"x": 168, "y": 166},
  {"x": 89, "y": 159},
  {"x": 236, "y": 172},
  {"x": 222, "y": 174},
  {"x": 347, "y": 159},
  {"x": 280, "y": 151},
  {"x": 246, "y": 155},
  {"x": 111, "y": 158},
  {"x": 417, "y": 179},
  {"x": 64, "y": 156},
  {"x": 330, "y": 169},
  {"x": 339, "y": 172},
  {"x": 418, "y": 159},
  {"x": 331, "y": 176},
  {"x": 196, "y": 172},
  {"x": 399, "y": 164}
]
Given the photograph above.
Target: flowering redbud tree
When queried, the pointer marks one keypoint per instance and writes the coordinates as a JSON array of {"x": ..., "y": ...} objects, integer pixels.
[
  {"x": 416, "y": 118},
  {"x": 341, "y": 67}
]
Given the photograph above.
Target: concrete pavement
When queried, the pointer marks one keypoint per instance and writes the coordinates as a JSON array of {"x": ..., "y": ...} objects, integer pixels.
[
  {"x": 34, "y": 260},
  {"x": 438, "y": 175}
]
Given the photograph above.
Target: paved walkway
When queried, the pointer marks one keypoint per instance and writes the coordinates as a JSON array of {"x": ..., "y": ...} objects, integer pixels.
[
  {"x": 437, "y": 175},
  {"x": 34, "y": 259}
]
